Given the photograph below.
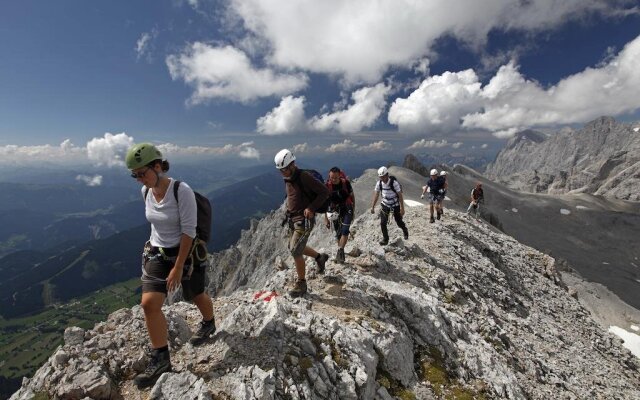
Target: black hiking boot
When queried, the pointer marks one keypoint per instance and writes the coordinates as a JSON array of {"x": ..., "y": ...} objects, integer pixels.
[
  {"x": 159, "y": 364},
  {"x": 299, "y": 289},
  {"x": 406, "y": 235},
  {"x": 438, "y": 216},
  {"x": 340, "y": 256},
  {"x": 321, "y": 259},
  {"x": 206, "y": 329},
  {"x": 432, "y": 220},
  {"x": 384, "y": 242}
]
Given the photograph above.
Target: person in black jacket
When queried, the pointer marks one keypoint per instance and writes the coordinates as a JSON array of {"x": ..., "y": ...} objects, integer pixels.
[{"x": 305, "y": 194}]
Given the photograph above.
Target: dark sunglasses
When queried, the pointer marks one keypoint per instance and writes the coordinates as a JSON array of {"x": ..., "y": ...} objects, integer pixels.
[{"x": 138, "y": 175}]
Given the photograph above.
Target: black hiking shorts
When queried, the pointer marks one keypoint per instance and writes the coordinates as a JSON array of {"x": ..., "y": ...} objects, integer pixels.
[{"x": 156, "y": 270}]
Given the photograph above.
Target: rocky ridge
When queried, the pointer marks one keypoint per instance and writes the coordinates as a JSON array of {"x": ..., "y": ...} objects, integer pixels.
[
  {"x": 457, "y": 310},
  {"x": 602, "y": 158}
]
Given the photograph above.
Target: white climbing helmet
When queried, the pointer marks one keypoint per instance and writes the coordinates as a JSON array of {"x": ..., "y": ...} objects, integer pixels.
[
  {"x": 382, "y": 171},
  {"x": 284, "y": 158},
  {"x": 443, "y": 173},
  {"x": 434, "y": 172},
  {"x": 332, "y": 215}
]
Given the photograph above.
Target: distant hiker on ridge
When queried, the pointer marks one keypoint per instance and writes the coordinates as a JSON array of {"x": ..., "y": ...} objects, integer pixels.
[
  {"x": 477, "y": 196},
  {"x": 436, "y": 186},
  {"x": 341, "y": 204},
  {"x": 305, "y": 194},
  {"x": 172, "y": 257},
  {"x": 392, "y": 201}
]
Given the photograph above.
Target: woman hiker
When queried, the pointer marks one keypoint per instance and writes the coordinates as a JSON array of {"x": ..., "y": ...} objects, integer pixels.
[{"x": 170, "y": 256}]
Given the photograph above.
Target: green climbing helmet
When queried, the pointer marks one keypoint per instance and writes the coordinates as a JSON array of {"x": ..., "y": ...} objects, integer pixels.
[{"x": 142, "y": 154}]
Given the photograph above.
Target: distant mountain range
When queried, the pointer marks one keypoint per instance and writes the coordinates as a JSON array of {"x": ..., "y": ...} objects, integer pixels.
[
  {"x": 34, "y": 280},
  {"x": 602, "y": 158},
  {"x": 39, "y": 217}
]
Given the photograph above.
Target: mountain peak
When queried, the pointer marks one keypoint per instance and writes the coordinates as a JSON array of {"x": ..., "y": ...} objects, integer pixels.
[{"x": 456, "y": 308}]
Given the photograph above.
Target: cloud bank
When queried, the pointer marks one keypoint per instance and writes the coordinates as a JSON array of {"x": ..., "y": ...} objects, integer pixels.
[
  {"x": 510, "y": 102},
  {"x": 227, "y": 73}
]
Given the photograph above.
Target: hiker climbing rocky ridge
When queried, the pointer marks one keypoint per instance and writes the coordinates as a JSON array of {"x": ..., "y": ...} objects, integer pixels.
[{"x": 475, "y": 313}]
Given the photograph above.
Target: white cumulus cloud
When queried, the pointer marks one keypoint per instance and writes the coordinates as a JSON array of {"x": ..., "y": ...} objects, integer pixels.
[
  {"x": 349, "y": 145},
  {"x": 510, "y": 102},
  {"x": 65, "y": 152},
  {"x": 288, "y": 117},
  {"x": 227, "y": 73},
  {"x": 249, "y": 152},
  {"x": 109, "y": 150},
  {"x": 300, "y": 148},
  {"x": 428, "y": 144},
  {"x": 368, "y": 104},
  {"x": 438, "y": 104},
  {"x": 243, "y": 150},
  {"x": 343, "y": 146},
  {"x": 457, "y": 145},
  {"x": 375, "y": 147},
  {"x": 361, "y": 39},
  {"x": 95, "y": 180}
]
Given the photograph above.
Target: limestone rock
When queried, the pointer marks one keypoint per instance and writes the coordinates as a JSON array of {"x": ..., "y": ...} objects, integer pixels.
[{"x": 602, "y": 158}]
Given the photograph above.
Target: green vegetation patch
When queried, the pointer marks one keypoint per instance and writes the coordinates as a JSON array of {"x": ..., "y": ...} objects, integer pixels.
[
  {"x": 433, "y": 369},
  {"x": 27, "y": 342},
  {"x": 394, "y": 387}
]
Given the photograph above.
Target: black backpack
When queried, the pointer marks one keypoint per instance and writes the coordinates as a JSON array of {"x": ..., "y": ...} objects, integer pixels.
[
  {"x": 203, "y": 225},
  {"x": 392, "y": 179},
  {"x": 317, "y": 176}
]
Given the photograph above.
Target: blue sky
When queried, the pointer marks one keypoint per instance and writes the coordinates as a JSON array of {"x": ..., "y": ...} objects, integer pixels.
[{"x": 244, "y": 78}]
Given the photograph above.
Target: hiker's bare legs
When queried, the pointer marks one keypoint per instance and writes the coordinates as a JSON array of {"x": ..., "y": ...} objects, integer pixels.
[
  {"x": 431, "y": 210},
  {"x": 300, "y": 267},
  {"x": 300, "y": 264},
  {"x": 156, "y": 323},
  {"x": 343, "y": 241},
  {"x": 204, "y": 304},
  {"x": 308, "y": 251}
]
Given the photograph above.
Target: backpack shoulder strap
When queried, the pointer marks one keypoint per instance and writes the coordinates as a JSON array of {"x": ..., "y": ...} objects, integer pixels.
[
  {"x": 176, "y": 185},
  {"x": 392, "y": 180},
  {"x": 146, "y": 192}
]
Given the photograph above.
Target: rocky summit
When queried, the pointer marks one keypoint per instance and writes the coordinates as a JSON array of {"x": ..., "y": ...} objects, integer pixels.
[
  {"x": 457, "y": 311},
  {"x": 602, "y": 158}
]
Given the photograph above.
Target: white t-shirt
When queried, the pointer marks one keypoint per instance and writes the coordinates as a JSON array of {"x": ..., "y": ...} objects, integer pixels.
[
  {"x": 170, "y": 219},
  {"x": 389, "y": 197}
]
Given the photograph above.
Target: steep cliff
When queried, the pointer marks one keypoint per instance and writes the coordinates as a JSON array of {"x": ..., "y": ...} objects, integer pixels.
[
  {"x": 602, "y": 158},
  {"x": 456, "y": 310}
]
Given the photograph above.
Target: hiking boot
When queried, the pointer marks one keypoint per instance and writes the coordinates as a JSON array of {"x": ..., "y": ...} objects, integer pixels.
[
  {"x": 384, "y": 242},
  {"x": 432, "y": 220},
  {"x": 406, "y": 235},
  {"x": 340, "y": 256},
  {"x": 299, "y": 289},
  {"x": 438, "y": 216},
  {"x": 321, "y": 259},
  {"x": 206, "y": 329},
  {"x": 159, "y": 364}
]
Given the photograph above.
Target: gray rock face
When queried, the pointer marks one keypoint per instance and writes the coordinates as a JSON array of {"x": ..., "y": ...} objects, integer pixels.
[
  {"x": 457, "y": 308},
  {"x": 602, "y": 158}
]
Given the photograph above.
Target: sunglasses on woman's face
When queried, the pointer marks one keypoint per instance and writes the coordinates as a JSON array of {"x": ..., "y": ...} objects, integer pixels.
[{"x": 138, "y": 175}]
